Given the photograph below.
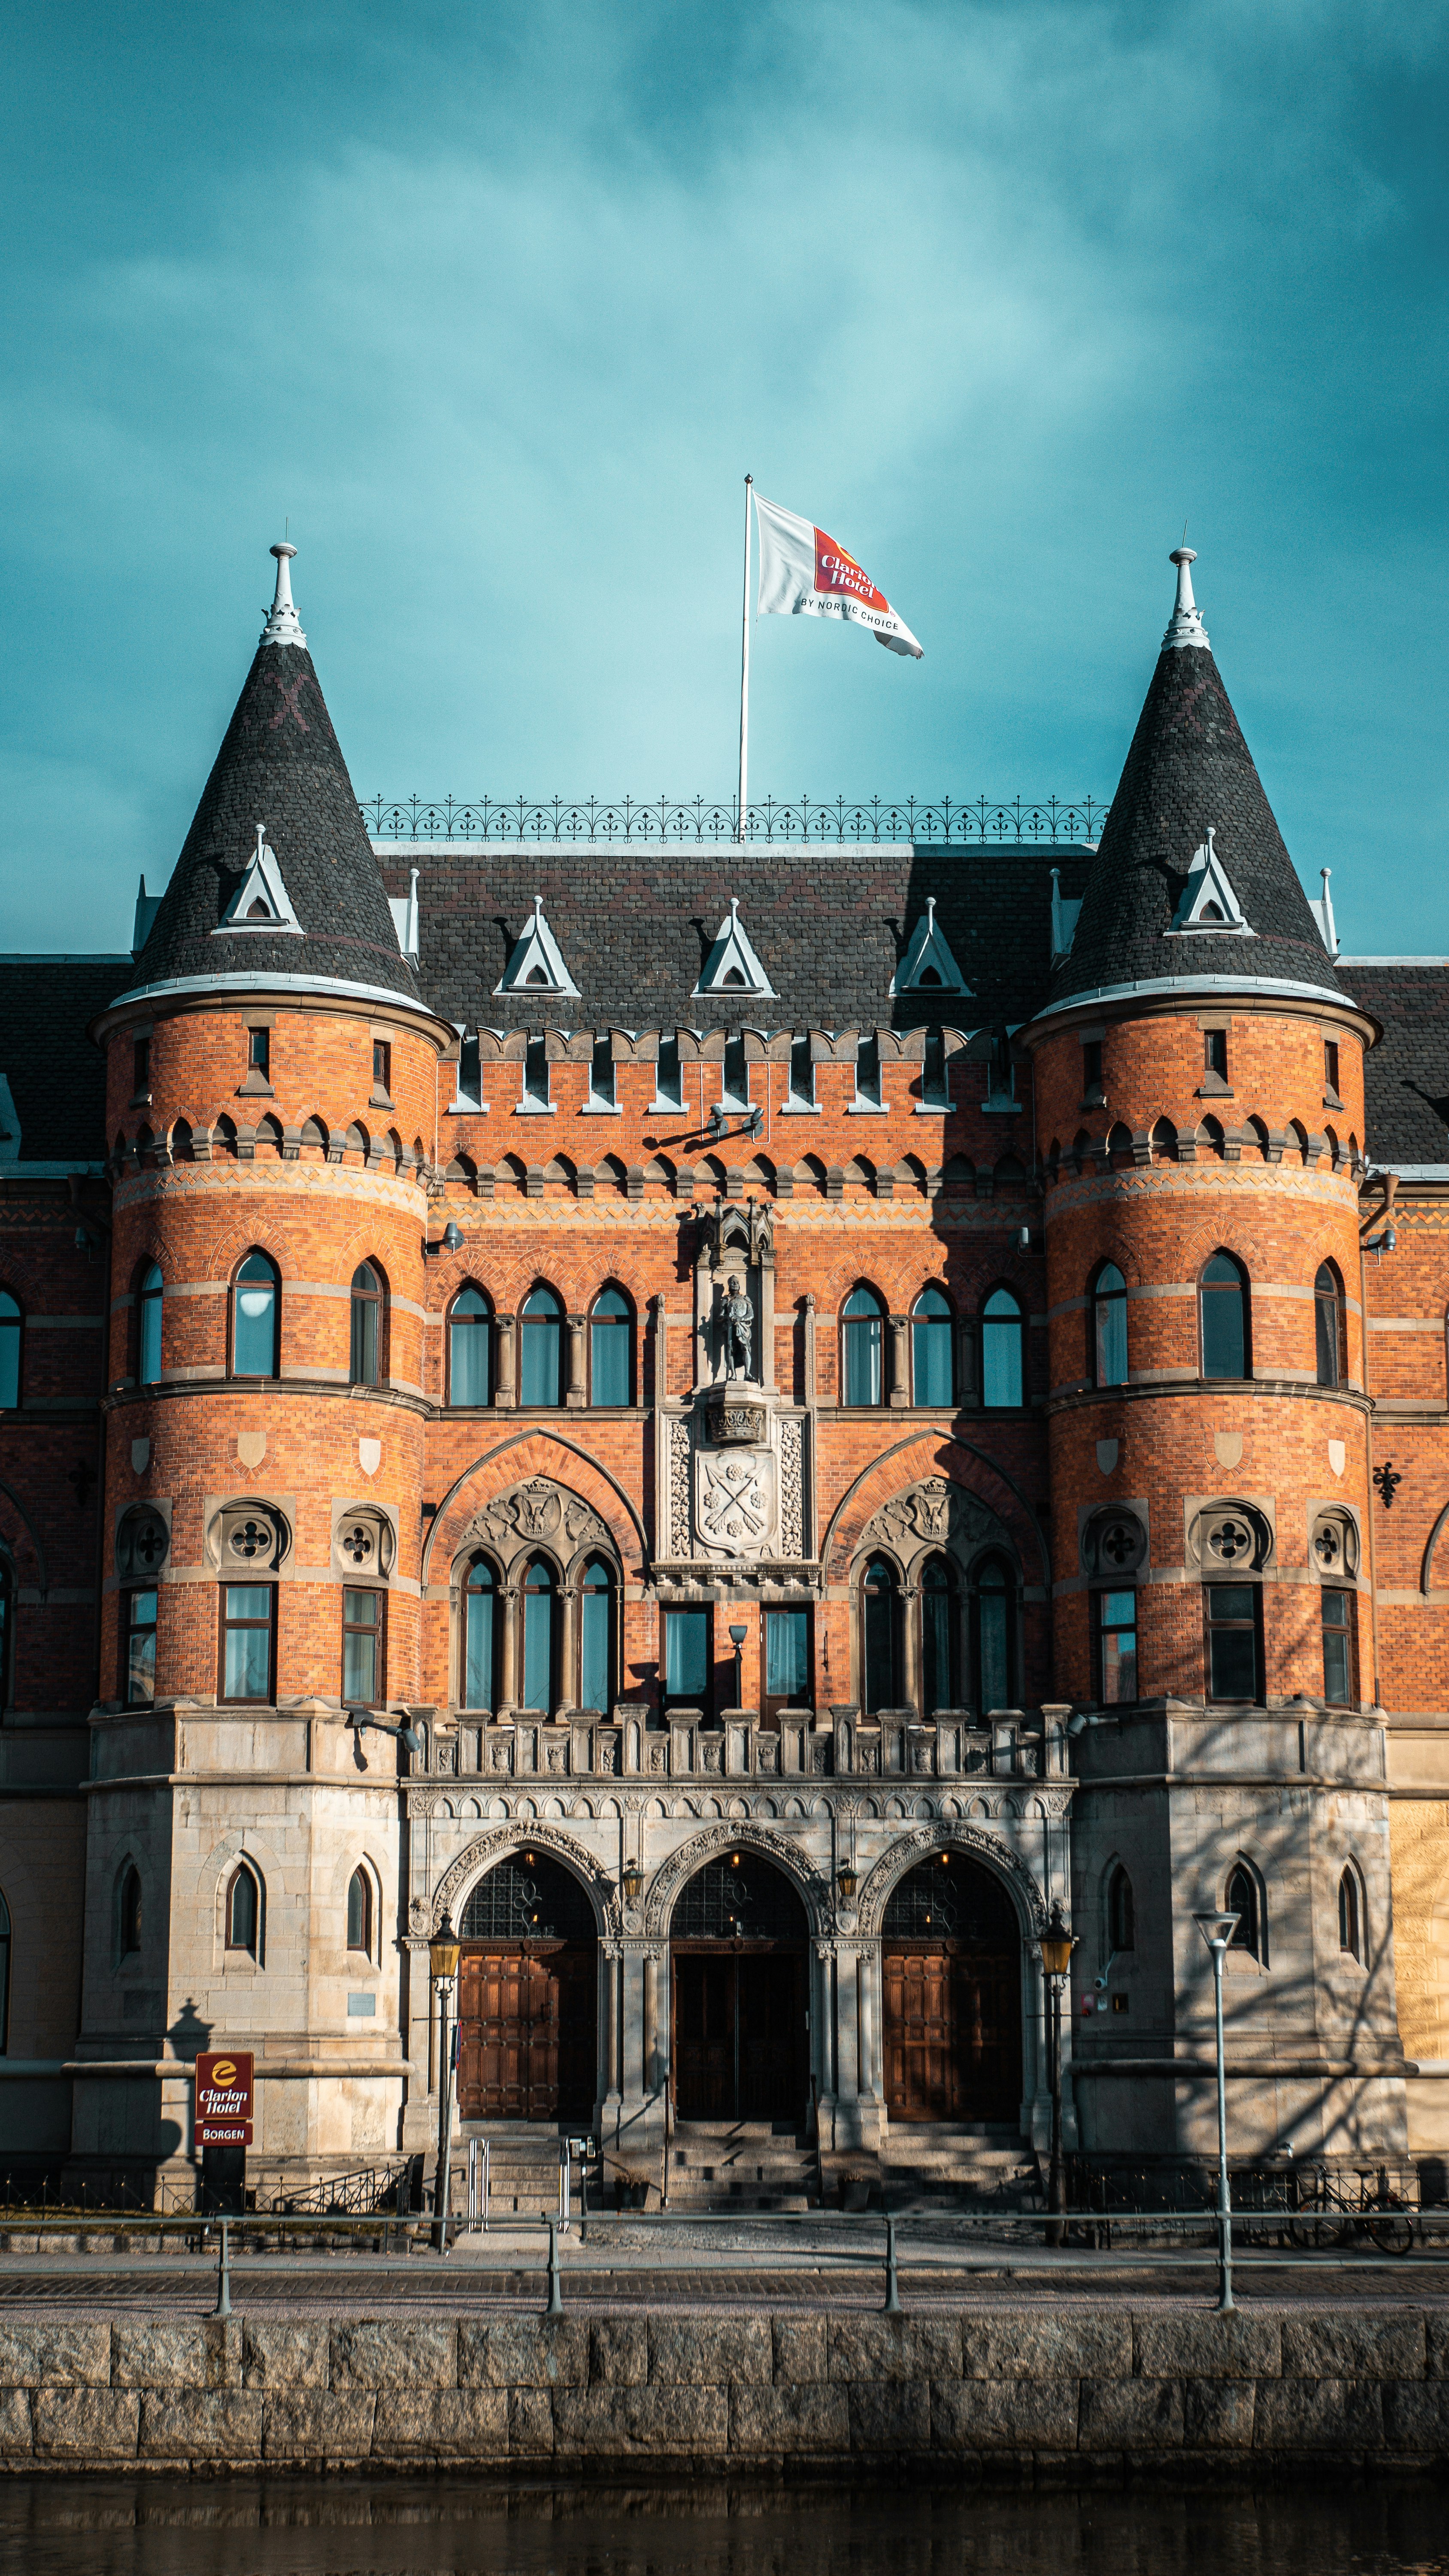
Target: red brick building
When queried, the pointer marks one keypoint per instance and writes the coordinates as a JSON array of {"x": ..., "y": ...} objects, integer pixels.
[{"x": 741, "y": 1416}]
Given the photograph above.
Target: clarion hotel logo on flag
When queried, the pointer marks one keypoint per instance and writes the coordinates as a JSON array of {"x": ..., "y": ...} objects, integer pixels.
[{"x": 804, "y": 573}]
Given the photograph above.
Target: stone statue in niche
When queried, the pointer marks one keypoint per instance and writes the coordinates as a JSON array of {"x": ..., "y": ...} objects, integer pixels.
[{"x": 737, "y": 1316}]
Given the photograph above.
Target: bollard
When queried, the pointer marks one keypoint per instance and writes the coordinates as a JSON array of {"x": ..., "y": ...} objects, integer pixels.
[
  {"x": 223, "y": 2278},
  {"x": 893, "y": 2293},
  {"x": 555, "y": 2298}
]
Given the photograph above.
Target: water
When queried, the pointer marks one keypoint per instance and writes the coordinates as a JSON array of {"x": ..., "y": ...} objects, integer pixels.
[{"x": 347, "y": 2526}]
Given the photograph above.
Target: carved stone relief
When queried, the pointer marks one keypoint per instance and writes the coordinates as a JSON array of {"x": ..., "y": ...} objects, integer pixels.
[
  {"x": 935, "y": 1513},
  {"x": 540, "y": 1513}
]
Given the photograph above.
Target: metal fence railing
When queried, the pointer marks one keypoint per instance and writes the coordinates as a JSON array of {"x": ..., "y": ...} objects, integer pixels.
[{"x": 1005, "y": 820}]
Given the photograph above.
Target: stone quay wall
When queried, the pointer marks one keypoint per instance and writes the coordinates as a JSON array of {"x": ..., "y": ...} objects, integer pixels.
[{"x": 1066, "y": 2392}]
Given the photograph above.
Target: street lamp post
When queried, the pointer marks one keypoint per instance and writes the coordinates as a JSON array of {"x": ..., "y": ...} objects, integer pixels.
[
  {"x": 1217, "y": 1931},
  {"x": 443, "y": 1953},
  {"x": 1056, "y": 1945}
]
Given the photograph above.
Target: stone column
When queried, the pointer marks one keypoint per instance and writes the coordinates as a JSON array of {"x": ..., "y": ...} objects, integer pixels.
[
  {"x": 508, "y": 1675},
  {"x": 703, "y": 1316},
  {"x": 507, "y": 1389},
  {"x": 911, "y": 1645},
  {"x": 576, "y": 1392},
  {"x": 660, "y": 1314},
  {"x": 568, "y": 1666},
  {"x": 808, "y": 1331},
  {"x": 610, "y": 2034},
  {"x": 767, "y": 1321},
  {"x": 847, "y": 2025},
  {"x": 651, "y": 2023},
  {"x": 899, "y": 1391}
]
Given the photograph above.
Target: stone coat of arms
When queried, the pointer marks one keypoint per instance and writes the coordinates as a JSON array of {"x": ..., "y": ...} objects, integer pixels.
[{"x": 736, "y": 1502}]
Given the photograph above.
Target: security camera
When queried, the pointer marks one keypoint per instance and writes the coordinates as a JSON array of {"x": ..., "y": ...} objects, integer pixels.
[{"x": 1101, "y": 1984}]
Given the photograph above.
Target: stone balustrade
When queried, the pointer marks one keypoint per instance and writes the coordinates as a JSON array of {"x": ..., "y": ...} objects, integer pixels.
[{"x": 841, "y": 1744}]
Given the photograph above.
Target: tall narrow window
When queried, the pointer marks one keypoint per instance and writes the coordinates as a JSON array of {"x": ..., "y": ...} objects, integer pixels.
[
  {"x": 259, "y": 1053},
  {"x": 1001, "y": 1350},
  {"x": 541, "y": 1336},
  {"x": 802, "y": 1074},
  {"x": 362, "y": 1676},
  {"x": 935, "y": 1081},
  {"x": 735, "y": 1085},
  {"x": 381, "y": 1070},
  {"x": 1092, "y": 1073},
  {"x": 867, "y": 1072},
  {"x": 366, "y": 1323},
  {"x": 470, "y": 1348},
  {"x": 1330, "y": 1067},
  {"x": 243, "y": 1911},
  {"x": 535, "y": 1075},
  {"x": 995, "y": 1625},
  {"x": 686, "y": 1658},
  {"x": 539, "y": 1627},
  {"x": 247, "y": 1611},
  {"x": 1326, "y": 1324},
  {"x": 601, "y": 1075},
  {"x": 1350, "y": 1916},
  {"x": 668, "y": 1076},
  {"x": 880, "y": 1629},
  {"x": 138, "y": 1675},
  {"x": 1121, "y": 1912},
  {"x": 861, "y": 1332},
  {"x": 1109, "y": 1326},
  {"x": 1223, "y": 1298},
  {"x": 1231, "y": 1611},
  {"x": 4, "y": 1976},
  {"x": 938, "y": 1637},
  {"x": 141, "y": 1069},
  {"x": 1116, "y": 1647},
  {"x": 1337, "y": 1647},
  {"x": 1215, "y": 1053},
  {"x": 480, "y": 1636},
  {"x": 787, "y": 1661},
  {"x": 255, "y": 1308},
  {"x": 596, "y": 1661},
  {"x": 148, "y": 1327},
  {"x": 130, "y": 1911},
  {"x": 359, "y": 1912},
  {"x": 1243, "y": 1901},
  {"x": 611, "y": 1349},
  {"x": 933, "y": 1335},
  {"x": 9, "y": 1352}
]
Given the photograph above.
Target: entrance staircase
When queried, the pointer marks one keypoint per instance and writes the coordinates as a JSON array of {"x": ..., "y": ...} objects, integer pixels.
[
  {"x": 950, "y": 2164},
  {"x": 523, "y": 2178},
  {"x": 741, "y": 2164}
]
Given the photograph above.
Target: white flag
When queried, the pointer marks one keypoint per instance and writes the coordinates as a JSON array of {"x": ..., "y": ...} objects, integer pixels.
[{"x": 804, "y": 573}]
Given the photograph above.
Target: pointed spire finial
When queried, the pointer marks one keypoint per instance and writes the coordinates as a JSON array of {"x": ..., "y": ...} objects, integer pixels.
[
  {"x": 1185, "y": 625},
  {"x": 281, "y": 626}
]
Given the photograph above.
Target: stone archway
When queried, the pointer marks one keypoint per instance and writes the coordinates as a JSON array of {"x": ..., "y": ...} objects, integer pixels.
[
  {"x": 528, "y": 1992},
  {"x": 951, "y": 1994},
  {"x": 739, "y": 1972}
]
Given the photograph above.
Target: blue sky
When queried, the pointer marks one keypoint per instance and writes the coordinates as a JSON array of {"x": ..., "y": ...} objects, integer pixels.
[{"x": 498, "y": 305}]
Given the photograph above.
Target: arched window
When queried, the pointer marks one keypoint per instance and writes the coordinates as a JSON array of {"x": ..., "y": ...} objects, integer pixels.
[
  {"x": 995, "y": 1636},
  {"x": 938, "y": 1637},
  {"x": 366, "y": 1325},
  {"x": 130, "y": 1912},
  {"x": 540, "y": 1636},
  {"x": 1001, "y": 1354},
  {"x": 1327, "y": 1324},
  {"x": 1109, "y": 1326},
  {"x": 148, "y": 1327},
  {"x": 1243, "y": 1901},
  {"x": 359, "y": 1912},
  {"x": 470, "y": 1348},
  {"x": 1223, "y": 1300},
  {"x": 879, "y": 1637},
  {"x": 932, "y": 1355},
  {"x": 541, "y": 1356},
  {"x": 244, "y": 1910},
  {"x": 596, "y": 1637},
  {"x": 1350, "y": 1915},
  {"x": 4, "y": 1976},
  {"x": 9, "y": 1352},
  {"x": 256, "y": 1310},
  {"x": 861, "y": 1335},
  {"x": 481, "y": 1638},
  {"x": 611, "y": 1349},
  {"x": 1121, "y": 1912}
]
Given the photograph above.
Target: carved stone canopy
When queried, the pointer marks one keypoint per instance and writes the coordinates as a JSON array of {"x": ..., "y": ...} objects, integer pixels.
[
  {"x": 936, "y": 1514},
  {"x": 540, "y": 1514}
]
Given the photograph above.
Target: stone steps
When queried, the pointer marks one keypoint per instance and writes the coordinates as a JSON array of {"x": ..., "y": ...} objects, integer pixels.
[
  {"x": 940, "y": 2164},
  {"x": 740, "y": 2164}
]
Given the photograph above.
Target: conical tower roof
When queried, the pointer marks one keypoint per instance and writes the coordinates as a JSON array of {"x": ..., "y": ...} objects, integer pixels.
[
  {"x": 277, "y": 881},
  {"x": 1192, "y": 883}
]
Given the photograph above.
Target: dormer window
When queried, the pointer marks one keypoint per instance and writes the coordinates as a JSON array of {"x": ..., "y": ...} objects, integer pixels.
[
  {"x": 928, "y": 965},
  {"x": 732, "y": 965},
  {"x": 535, "y": 962}
]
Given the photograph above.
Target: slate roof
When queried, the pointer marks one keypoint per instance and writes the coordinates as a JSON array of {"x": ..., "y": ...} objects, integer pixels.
[
  {"x": 1406, "y": 1076},
  {"x": 1189, "y": 768},
  {"x": 57, "y": 1078},
  {"x": 636, "y": 922},
  {"x": 280, "y": 764}
]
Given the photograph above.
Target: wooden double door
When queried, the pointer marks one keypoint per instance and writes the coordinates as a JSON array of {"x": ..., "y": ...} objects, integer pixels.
[
  {"x": 952, "y": 2030},
  {"x": 740, "y": 2039},
  {"x": 528, "y": 2015}
]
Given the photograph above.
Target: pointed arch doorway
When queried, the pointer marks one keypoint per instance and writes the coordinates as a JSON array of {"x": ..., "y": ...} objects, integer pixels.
[
  {"x": 738, "y": 1948},
  {"x": 528, "y": 1995},
  {"x": 951, "y": 1987}
]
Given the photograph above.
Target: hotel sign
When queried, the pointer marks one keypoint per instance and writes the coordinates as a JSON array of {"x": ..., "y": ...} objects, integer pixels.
[{"x": 224, "y": 2079}]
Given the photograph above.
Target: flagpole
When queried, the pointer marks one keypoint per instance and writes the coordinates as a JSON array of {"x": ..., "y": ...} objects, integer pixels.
[{"x": 745, "y": 673}]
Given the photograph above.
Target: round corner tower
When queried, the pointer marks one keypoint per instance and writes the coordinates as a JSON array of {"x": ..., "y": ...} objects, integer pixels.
[
  {"x": 271, "y": 1106},
  {"x": 1199, "y": 1081}
]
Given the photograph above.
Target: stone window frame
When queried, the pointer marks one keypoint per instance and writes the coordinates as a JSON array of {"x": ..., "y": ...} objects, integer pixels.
[
  {"x": 510, "y": 1559},
  {"x": 965, "y": 1560},
  {"x": 1352, "y": 1874}
]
